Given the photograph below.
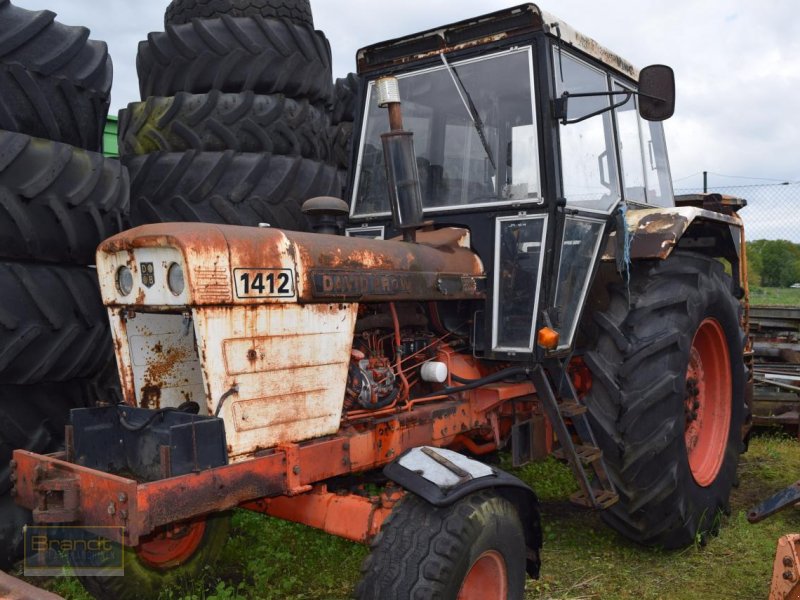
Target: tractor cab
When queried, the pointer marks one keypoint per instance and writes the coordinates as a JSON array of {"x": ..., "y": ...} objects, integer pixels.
[{"x": 529, "y": 135}]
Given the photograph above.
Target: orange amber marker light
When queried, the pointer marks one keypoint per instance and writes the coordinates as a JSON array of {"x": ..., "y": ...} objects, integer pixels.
[{"x": 547, "y": 338}]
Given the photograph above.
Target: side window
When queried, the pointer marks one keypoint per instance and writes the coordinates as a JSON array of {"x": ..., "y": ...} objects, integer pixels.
[
  {"x": 588, "y": 155},
  {"x": 656, "y": 165},
  {"x": 643, "y": 156},
  {"x": 579, "y": 251},
  {"x": 630, "y": 149},
  {"x": 519, "y": 243}
]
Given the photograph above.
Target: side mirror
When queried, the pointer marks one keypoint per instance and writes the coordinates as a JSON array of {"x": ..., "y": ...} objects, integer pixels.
[{"x": 656, "y": 92}]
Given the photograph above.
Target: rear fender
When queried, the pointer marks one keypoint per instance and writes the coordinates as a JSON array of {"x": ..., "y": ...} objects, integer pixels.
[{"x": 656, "y": 232}]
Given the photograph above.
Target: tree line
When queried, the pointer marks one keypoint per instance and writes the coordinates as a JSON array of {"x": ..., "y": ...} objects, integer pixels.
[{"x": 773, "y": 263}]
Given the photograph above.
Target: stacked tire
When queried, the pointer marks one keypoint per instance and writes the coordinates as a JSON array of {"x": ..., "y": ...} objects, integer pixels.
[
  {"x": 233, "y": 125},
  {"x": 59, "y": 198},
  {"x": 343, "y": 115}
]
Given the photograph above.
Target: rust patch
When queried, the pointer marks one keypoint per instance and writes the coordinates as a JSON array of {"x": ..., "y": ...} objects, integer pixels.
[
  {"x": 158, "y": 371},
  {"x": 150, "y": 396}
]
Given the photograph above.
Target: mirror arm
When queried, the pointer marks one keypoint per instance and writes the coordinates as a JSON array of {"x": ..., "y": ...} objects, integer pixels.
[{"x": 560, "y": 105}]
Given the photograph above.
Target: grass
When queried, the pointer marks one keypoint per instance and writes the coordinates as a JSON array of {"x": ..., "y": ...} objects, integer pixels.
[
  {"x": 582, "y": 559},
  {"x": 774, "y": 296}
]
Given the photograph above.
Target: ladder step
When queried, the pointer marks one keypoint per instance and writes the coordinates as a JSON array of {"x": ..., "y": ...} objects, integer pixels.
[
  {"x": 586, "y": 454},
  {"x": 603, "y": 499},
  {"x": 571, "y": 409}
]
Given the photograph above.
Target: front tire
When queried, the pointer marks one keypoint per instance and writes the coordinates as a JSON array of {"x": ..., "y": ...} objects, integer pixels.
[
  {"x": 473, "y": 549},
  {"x": 667, "y": 398},
  {"x": 164, "y": 559}
]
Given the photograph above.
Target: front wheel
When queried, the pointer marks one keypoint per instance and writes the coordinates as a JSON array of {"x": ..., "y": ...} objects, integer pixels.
[
  {"x": 471, "y": 550},
  {"x": 173, "y": 555}
]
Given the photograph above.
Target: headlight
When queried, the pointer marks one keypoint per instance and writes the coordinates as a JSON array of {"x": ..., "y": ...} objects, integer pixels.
[
  {"x": 124, "y": 280},
  {"x": 175, "y": 279}
]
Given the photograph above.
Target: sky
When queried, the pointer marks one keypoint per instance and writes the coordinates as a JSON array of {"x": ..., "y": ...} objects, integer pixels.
[{"x": 736, "y": 62}]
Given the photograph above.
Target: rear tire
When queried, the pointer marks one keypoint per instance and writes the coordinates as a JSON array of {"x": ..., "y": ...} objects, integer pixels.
[
  {"x": 51, "y": 108},
  {"x": 641, "y": 402},
  {"x": 233, "y": 55},
  {"x": 40, "y": 44},
  {"x": 183, "y": 11},
  {"x": 216, "y": 122},
  {"x": 227, "y": 187},
  {"x": 57, "y": 202},
  {"x": 346, "y": 92},
  {"x": 32, "y": 417},
  {"x": 472, "y": 549},
  {"x": 341, "y": 141},
  {"x": 53, "y": 325}
]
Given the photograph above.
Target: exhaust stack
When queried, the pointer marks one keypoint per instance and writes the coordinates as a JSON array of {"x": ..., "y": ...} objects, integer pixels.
[{"x": 405, "y": 195}]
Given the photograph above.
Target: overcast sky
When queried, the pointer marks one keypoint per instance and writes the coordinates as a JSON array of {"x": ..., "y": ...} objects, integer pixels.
[{"x": 737, "y": 63}]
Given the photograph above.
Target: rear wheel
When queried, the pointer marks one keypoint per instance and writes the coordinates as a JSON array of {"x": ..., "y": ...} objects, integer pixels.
[
  {"x": 667, "y": 398},
  {"x": 474, "y": 549},
  {"x": 170, "y": 556}
]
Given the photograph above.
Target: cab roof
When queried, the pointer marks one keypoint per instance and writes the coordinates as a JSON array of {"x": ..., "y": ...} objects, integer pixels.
[{"x": 489, "y": 28}]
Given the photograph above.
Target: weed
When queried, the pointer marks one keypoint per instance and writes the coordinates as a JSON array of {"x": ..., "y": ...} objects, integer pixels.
[{"x": 582, "y": 559}]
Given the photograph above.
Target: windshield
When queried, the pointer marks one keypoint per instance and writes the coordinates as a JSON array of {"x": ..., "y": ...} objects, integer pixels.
[{"x": 474, "y": 135}]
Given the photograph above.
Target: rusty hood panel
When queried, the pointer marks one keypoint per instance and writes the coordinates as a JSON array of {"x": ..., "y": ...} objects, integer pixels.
[
  {"x": 654, "y": 232},
  {"x": 218, "y": 259}
]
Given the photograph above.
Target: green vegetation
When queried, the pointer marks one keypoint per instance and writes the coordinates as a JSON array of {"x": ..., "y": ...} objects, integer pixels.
[
  {"x": 774, "y": 296},
  {"x": 773, "y": 263},
  {"x": 582, "y": 559}
]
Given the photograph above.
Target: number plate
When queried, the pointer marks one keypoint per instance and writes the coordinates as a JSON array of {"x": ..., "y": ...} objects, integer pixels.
[{"x": 263, "y": 283}]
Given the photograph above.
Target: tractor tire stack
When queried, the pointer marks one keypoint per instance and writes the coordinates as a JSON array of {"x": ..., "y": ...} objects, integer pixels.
[
  {"x": 233, "y": 126},
  {"x": 59, "y": 198},
  {"x": 343, "y": 114}
]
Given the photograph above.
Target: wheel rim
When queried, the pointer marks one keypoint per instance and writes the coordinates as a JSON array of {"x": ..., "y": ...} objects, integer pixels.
[
  {"x": 172, "y": 546},
  {"x": 486, "y": 579},
  {"x": 707, "y": 402}
]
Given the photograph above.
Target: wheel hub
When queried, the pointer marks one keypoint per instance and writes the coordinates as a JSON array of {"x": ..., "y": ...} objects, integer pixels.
[
  {"x": 486, "y": 579},
  {"x": 707, "y": 402},
  {"x": 172, "y": 546}
]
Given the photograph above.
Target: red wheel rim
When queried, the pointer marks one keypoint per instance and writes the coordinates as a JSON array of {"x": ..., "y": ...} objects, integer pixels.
[
  {"x": 486, "y": 579},
  {"x": 172, "y": 546},
  {"x": 707, "y": 403}
]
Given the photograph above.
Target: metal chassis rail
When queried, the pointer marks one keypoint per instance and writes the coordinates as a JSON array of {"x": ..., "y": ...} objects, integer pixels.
[{"x": 58, "y": 491}]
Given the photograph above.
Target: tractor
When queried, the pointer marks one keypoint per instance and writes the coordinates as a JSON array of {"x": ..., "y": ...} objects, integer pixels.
[{"x": 511, "y": 272}]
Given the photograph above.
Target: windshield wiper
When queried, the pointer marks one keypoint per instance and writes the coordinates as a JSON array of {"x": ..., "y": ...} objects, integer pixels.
[{"x": 470, "y": 106}]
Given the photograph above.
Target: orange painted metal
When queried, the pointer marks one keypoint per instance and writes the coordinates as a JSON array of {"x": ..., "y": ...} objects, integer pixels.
[
  {"x": 487, "y": 578},
  {"x": 786, "y": 569},
  {"x": 350, "y": 516},
  {"x": 172, "y": 545},
  {"x": 106, "y": 499},
  {"x": 293, "y": 469},
  {"x": 707, "y": 402}
]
